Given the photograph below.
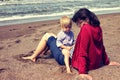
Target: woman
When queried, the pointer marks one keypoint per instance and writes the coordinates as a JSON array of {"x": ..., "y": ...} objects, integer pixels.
[{"x": 89, "y": 52}]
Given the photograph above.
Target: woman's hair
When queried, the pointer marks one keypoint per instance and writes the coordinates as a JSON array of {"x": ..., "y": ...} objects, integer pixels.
[
  {"x": 84, "y": 14},
  {"x": 65, "y": 21}
]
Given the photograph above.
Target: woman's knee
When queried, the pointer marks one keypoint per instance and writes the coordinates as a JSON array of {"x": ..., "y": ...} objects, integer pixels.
[
  {"x": 47, "y": 35},
  {"x": 51, "y": 34}
]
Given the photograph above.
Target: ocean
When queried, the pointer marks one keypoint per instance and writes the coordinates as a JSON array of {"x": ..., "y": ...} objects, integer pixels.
[{"x": 24, "y": 11}]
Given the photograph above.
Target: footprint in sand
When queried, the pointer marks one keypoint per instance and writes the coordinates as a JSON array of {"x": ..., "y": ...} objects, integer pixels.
[
  {"x": 36, "y": 39},
  {"x": 2, "y": 70},
  {"x": 12, "y": 43},
  {"x": 43, "y": 59},
  {"x": 62, "y": 69},
  {"x": 44, "y": 24},
  {"x": 1, "y": 47},
  {"x": 118, "y": 29},
  {"x": 19, "y": 35},
  {"x": 12, "y": 29},
  {"x": 19, "y": 56},
  {"x": 29, "y": 27},
  {"x": 18, "y": 41}
]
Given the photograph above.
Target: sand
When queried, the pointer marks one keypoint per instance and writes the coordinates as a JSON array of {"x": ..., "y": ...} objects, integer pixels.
[{"x": 22, "y": 39}]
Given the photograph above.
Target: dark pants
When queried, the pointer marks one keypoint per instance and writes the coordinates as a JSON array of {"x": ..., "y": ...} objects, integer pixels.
[{"x": 56, "y": 52}]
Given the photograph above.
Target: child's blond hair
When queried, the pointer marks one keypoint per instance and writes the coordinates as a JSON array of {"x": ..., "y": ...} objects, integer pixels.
[{"x": 65, "y": 21}]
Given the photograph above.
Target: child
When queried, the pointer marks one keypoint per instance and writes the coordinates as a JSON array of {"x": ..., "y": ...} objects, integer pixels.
[
  {"x": 65, "y": 40},
  {"x": 60, "y": 47}
]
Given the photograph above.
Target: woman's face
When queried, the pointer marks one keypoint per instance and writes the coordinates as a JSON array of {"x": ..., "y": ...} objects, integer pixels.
[{"x": 79, "y": 22}]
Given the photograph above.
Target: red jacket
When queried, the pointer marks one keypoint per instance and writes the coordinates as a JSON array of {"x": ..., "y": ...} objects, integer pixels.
[{"x": 89, "y": 52}]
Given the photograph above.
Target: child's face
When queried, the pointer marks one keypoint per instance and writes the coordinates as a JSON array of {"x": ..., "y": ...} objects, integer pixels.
[{"x": 67, "y": 28}]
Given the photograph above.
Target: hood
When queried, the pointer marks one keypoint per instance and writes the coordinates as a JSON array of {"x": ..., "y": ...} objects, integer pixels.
[{"x": 97, "y": 34}]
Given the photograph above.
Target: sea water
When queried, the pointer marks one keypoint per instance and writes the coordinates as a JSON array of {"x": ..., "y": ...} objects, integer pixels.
[{"x": 24, "y": 11}]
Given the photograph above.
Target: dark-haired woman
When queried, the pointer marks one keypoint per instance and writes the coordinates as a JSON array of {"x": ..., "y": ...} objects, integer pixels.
[{"x": 89, "y": 52}]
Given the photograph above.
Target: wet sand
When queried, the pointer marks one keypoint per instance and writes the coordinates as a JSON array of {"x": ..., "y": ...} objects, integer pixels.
[{"x": 21, "y": 39}]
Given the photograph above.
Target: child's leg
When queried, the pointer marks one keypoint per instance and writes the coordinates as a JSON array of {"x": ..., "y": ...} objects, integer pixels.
[
  {"x": 66, "y": 60},
  {"x": 56, "y": 52},
  {"x": 40, "y": 48}
]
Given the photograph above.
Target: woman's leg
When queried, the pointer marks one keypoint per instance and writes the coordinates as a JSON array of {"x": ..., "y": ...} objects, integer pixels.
[
  {"x": 40, "y": 48},
  {"x": 66, "y": 60}
]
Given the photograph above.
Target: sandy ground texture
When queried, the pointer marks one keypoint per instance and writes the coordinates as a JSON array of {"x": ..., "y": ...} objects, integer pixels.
[{"x": 22, "y": 39}]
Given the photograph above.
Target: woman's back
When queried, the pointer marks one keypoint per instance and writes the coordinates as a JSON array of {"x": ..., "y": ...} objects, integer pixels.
[{"x": 90, "y": 49}]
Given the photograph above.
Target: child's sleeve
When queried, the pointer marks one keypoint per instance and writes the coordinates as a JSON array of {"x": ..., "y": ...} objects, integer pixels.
[{"x": 59, "y": 39}]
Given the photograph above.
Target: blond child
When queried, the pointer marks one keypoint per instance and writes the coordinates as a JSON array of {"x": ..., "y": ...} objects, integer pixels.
[{"x": 65, "y": 40}]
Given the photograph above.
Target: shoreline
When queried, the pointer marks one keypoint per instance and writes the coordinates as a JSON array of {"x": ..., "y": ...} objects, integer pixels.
[
  {"x": 22, "y": 39},
  {"x": 37, "y": 19},
  {"x": 12, "y": 30},
  {"x": 23, "y": 28}
]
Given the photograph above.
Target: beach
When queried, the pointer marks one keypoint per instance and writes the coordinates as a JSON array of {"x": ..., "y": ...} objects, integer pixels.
[{"x": 22, "y": 39}]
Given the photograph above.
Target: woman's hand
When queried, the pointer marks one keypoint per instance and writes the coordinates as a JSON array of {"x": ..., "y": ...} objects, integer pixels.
[{"x": 86, "y": 76}]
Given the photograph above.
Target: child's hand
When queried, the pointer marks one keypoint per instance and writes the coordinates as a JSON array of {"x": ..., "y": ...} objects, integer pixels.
[{"x": 69, "y": 47}]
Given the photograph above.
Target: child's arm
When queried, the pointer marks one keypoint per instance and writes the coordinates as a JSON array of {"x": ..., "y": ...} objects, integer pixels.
[
  {"x": 66, "y": 47},
  {"x": 61, "y": 37}
]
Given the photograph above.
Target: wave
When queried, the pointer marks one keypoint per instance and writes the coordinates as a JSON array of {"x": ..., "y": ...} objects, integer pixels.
[
  {"x": 35, "y": 16},
  {"x": 37, "y": 1},
  {"x": 58, "y": 14},
  {"x": 38, "y": 10},
  {"x": 104, "y": 9},
  {"x": 18, "y": 2}
]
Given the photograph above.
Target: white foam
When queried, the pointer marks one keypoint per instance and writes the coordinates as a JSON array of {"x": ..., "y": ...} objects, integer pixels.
[
  {"x": 58, "y": 14},
  {"x": 104, "y": 9},
  {"x": 35, "y": 16}
]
